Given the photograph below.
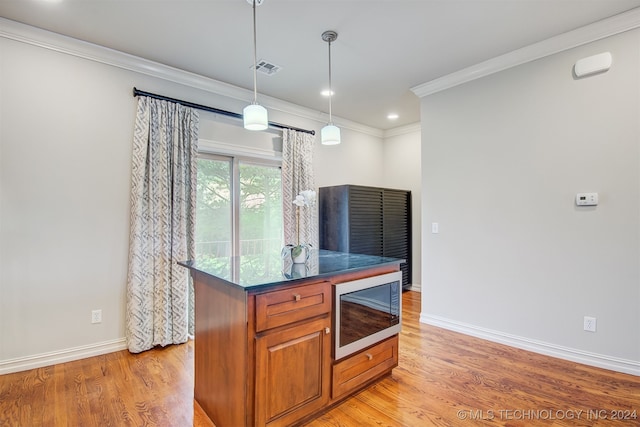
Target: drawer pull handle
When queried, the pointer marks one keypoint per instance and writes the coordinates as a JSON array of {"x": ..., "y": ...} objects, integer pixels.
[
  {"x": 296, "y": 297},
  {"x": 369, "y": 356},
  {"x": 327, "y": 331}
]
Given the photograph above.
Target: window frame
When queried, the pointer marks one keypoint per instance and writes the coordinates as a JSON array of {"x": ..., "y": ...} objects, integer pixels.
[{"x": 235, "y": 161}]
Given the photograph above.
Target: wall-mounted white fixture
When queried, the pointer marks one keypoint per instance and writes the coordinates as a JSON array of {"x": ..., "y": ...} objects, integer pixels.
[
  {"x": 592, "y": 65},
  {"x": 590, "y": 323},
  {"x": 330, "y": 134},
  {"x": 96, "y": 316},
  {"x": 587, "y": 199},
  {"x": 255, "y": 115}
]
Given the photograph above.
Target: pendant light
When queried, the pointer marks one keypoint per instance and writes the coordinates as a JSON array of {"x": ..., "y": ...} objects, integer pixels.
[
  {"x": 255, "y": 115},
  {"x": 330, "y": 134}
]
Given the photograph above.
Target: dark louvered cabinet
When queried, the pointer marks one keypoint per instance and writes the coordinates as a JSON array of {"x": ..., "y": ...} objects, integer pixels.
[{"x": 367, "y": 220}]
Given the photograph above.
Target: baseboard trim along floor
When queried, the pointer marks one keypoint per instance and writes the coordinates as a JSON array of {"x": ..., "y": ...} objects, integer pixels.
[
  {"x": 66, "y": 355},
  {"x": 601, "y": 361},
  {"x": 566, "y": 353}
]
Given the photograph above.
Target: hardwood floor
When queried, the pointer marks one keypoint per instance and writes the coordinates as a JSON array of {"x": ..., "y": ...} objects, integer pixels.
[
  {"x": 450, "y": 379},
  {"x": 443, "y": 379}
]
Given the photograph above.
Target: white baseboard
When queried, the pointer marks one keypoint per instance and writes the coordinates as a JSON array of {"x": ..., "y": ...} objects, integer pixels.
[
  {"x": 415, "y": 287},
  {"x": 61, "y": 356},
  {"x": 592, "y": 359}
]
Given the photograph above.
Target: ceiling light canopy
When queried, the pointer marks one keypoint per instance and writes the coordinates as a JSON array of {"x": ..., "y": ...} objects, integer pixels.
[
  {"x": 330, "y": 134},
  {"x": 255, "y": 115}
]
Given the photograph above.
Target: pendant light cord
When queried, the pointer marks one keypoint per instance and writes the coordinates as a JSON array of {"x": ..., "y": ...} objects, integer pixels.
[
  {"x": 330, "y": 86},
  {"x": 330, "y": 133},
  {"x": 255, "y": 57}
]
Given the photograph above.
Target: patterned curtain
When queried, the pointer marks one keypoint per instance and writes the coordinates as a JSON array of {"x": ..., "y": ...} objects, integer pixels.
[
  {"x": 163, "y": 202},
  {"x": 297, "y": 175}
]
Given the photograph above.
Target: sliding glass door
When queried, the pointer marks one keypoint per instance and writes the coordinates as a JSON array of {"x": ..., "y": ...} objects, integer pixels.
[{"x": 239, "y": 208}]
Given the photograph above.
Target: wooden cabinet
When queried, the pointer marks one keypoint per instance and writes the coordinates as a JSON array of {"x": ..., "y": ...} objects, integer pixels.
[
  {"x": 293, "y": 363},
  {"x": 290, "y": 305},
  {"x": 293, "y": 372},
  {"x": 355, "y": 371},
  {"x": 263, "y": 355},
  {"x": 367, "y": 220}
]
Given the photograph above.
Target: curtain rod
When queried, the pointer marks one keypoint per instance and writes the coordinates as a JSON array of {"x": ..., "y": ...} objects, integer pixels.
[{"x": 137, "y": 92}]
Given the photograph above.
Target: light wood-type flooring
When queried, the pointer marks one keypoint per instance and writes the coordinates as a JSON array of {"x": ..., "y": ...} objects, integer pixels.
[{"x": 443, "y": 379}]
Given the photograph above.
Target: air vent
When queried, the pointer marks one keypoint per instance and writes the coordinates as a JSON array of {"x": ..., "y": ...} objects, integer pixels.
[{"x": 267, "y": 68}]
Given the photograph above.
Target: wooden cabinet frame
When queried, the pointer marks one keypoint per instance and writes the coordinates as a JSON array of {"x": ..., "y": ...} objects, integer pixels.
[{"x": 249, "y": 341}]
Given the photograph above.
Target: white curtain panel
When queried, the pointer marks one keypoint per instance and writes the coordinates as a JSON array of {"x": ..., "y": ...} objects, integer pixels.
[
  {"x": 163, "y": 205},
  {"x": 297, "y": 175}
]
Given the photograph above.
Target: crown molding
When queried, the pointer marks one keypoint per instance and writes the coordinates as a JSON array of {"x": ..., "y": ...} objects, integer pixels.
[
  {"x": 599, "y": 30},
  {"x": 23, "y": 33},
  {"x": 403, "y": 130},
  {"x": 67, "y": 45}
]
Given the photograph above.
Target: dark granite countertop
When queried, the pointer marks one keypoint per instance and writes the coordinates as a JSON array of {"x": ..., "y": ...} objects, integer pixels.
[{"x": 254, "y": 271}]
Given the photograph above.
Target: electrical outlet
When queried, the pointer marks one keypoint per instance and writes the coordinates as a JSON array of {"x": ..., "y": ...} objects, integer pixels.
[
  {"x": 96, "y": 316},
  {"x": 589, "y": 324}
]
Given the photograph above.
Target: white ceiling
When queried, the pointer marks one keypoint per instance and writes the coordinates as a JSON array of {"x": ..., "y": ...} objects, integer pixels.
[{"x": 384, "y": 47}]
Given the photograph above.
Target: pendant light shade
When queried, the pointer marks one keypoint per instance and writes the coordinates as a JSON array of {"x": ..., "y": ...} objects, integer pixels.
[
  {"x": 330, "y": 134},
  {"x": 255, "y": 116}
]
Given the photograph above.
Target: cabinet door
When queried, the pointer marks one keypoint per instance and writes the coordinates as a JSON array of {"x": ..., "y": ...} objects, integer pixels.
[
  {"x": 365, "y": 221},
  {"x": 292, "y": 372},
  {"x": 397, "y": 229}
]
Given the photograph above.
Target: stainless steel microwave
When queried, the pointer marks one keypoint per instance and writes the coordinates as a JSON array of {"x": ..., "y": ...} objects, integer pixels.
[{"x": 366, "y": 312}]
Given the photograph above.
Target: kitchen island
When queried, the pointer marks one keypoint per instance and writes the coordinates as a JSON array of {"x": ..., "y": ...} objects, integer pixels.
[{"x": 264, "y": 337}]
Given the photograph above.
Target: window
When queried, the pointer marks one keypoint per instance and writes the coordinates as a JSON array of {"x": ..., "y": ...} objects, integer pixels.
[{"x": 239, "y": 208}]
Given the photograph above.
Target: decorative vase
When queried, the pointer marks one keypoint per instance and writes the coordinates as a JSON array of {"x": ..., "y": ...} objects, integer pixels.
[
  {"x": 302, "y": 257},
  {"x": 299, "y": 254},
  {"x": 295, "y": 271},
  {"x": 299, "y": 270}
]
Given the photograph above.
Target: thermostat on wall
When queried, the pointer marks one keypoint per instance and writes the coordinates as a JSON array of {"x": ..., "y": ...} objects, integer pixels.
[{"x": 587, "y": 199}]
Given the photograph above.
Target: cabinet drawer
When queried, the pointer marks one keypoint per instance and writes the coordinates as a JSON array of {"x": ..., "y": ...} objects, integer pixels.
[
  {"x": 351, "y": 373},
  {"x": 292, "y": 305}
]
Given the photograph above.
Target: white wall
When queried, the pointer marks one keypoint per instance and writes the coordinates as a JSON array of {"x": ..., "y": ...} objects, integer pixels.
[
  {"x": 515, "y": 260},
  {"x": 402, "y": 170},
  {"x": 357, "y": 160},
  {"x": 64, "y": 179},
  {"x": 65, "y": 153}
]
